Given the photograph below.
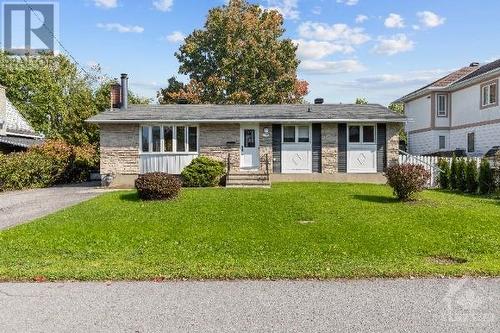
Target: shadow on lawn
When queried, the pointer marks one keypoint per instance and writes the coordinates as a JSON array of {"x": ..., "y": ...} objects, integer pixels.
[
  {"x": 131, "y": 197},
  {"x": 376, "y": 199}
]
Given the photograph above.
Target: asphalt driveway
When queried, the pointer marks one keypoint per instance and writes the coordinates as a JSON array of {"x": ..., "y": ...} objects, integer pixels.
[
  {"x": 24, "y": 206},
  {"x": 419, "y": 305}
]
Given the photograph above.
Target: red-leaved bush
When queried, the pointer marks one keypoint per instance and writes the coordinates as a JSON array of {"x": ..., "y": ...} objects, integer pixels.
[{"x": 407, "y": 180}]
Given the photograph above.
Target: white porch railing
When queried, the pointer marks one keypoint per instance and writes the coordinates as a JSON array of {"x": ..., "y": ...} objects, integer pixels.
[{"x": 430, "y": 163}]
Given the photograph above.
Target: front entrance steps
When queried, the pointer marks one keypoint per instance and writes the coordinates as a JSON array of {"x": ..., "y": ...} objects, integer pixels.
[{"x": 248, "y": 180}]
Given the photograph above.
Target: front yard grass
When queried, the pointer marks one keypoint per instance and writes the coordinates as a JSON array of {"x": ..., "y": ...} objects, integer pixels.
[{"x": 292, "y": 231}]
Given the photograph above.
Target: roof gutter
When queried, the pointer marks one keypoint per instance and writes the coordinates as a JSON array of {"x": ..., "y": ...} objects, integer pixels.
[{"x": 232, "y": 121}]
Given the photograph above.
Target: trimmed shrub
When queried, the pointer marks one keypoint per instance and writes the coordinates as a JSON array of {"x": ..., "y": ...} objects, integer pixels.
[
  {"x": 454, "y": 173},
  {"x": 407, "y": 180},
  {"x": 461, "y": 176},
  {"x": 53, "y": 162},
  {"x": 471, "y": 177},
  {"x": 486, "y": 181},
  {"x": 444, "y": 174},
  {"x": 158, "y": 186},
  {"x": 203, "y": 172}
]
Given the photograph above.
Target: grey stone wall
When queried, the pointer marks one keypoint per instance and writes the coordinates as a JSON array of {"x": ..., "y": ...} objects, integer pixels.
[
  {"x": 214, "y": 139},
  {"x": 393, "y": 143},
  {"x": 329, "y": 141},
  {"x": 119, "y": 149}
]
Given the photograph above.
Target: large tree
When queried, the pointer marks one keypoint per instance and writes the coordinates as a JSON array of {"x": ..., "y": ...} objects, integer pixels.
[
  {"x": 168, "y": 95},
  {"x": 55, "y": 96},
  {"x": 240, "y": 56}
]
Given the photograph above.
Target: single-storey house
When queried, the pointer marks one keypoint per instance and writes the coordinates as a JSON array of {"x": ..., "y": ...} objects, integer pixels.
[
  {"x": 255, "y": 139},
  {"x": 16, "y": 134}
]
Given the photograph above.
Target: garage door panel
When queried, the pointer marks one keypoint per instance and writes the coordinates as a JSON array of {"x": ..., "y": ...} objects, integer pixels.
[
  {"x": 362, "y": 159},
  {"x": 296, "y": 158}
]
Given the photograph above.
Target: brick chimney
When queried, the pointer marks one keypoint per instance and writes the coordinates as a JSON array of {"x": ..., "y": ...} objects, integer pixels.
[
  {"x": 116, "y": 95},
  {"x": 3, "y": 111}
]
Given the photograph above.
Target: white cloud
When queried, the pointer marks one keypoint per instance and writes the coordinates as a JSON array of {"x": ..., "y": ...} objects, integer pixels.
[
  {"x": 331, "y": 67},
  {"x": 361, "y": 18},
  {"x": 176, "y": 37},
  {"x": 348, "y": 2},
  {"x": 394, "y": 21},
  {"x": 341, "y": 33},
  {"x": 288, "y": 8},
  {"x": 312, "y": 49},
  {"x": 393, "y": 45},
  {"x": 163, "y": 5},
  {"x": 121, "y": 28},
  {"x": 106, "y": 3},
  {"x": 430, "y": 20}
]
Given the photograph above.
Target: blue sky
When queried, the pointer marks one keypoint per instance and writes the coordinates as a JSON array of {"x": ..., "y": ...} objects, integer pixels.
[{"x": 378, "y": 49}]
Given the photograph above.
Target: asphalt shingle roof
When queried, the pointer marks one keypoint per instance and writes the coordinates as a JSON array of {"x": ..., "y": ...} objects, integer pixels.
[
  {"x": 15, "y": 122},
  {"x": 482, "y": 70},
  {"x": 17, "y": 141},
  {"x": 213, "y": 113}
]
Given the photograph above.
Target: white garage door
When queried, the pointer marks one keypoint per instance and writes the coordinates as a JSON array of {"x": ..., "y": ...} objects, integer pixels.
[{"x": 362, "y": 149}]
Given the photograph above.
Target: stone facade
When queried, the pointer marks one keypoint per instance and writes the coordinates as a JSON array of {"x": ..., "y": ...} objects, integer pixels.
[
  {"x": 119, "y": 149},
  {"x": 220, "y": 140},
  {"x": 266, "y": 147},
  {"x": 393, "y": 143},
  {"x": 329, "y": 149}
]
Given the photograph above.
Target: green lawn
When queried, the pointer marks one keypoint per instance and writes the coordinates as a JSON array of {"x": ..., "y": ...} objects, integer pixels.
[{"x": 290, "y": 231}]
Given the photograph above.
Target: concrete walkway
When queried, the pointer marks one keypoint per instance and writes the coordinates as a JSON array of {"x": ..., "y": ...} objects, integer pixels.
[
  {"x": 23, "y": 206},
  {"x": 429, "y": 305}
]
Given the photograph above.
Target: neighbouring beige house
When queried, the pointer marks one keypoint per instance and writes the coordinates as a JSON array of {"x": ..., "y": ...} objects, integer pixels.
[{"x": 318, "y": 140}]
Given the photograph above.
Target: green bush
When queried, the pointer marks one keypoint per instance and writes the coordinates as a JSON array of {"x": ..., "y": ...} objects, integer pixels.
[
  {"x": 203, "y": 172},
  {"x": 407, "y": 180},
  {"x": 461, "y": 176},
  {"x": 444, "y": 174},
  {"x": 486, "y": 181},
  {"x": 158, "y": 186},
  {"x": 48, "y": 164},
  {"x": 471, "y": 176},
  {"x": 454, "y": 174}
]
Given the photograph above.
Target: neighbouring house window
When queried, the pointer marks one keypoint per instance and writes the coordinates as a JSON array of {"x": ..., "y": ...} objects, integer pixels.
[
  {"x": 442, "y": 105},
  {"x": 303, "y": 134},
  {"x": 442, "y": 142},
  {"x": 368, "y": 134},
  {"x": 354, "y": 134},
  {"x": 471, "y": 142},
  {"x": 489, "y": 94},
  {"x": 181, "y": 139},
  {"x": 145, "y": 139},
  {"x": 289, "y": 134},
  {"x": 169, "y": 139},
  {"x": 156, "y": 133},
  {"x": 193, "y": 139}
]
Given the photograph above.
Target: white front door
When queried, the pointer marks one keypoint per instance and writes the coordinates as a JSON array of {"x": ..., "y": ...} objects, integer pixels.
[
  {"x": 362, "y": 149},
  {"x": 249, "y": 159}
]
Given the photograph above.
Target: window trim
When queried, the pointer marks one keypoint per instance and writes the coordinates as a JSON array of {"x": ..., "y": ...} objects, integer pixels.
[
  {"x": 174, "y": 139},
  {"x": 442, "y": 113},
  {"x": 296, "y": 126},
  {"x": 482, "y": 91},
  {"x": 361, "y": 134}
]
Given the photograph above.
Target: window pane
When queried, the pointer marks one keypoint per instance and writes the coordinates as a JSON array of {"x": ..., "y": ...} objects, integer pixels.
[
  {"x": 354, "y": 134},
  {"x": 485, "y": 95},
  {"x": 470, "y": 142},
  {"x": 289, "y": 134},
  {"x": 368, "y": 134},
  {"x": 493, "y": 94},
  {"x": 156, "y": 139},
  {"x": 193, "y": 139},
  {"x": 181, "y": 139},
  {"x": 145, "y": 139},
  {"x": 441, "y": 105},
  {"x": 442, "y": 142},
  {"x": 168, "y": 136},
  {"x": 249, "y": 138},
  {"x": 303, "y": 133}
]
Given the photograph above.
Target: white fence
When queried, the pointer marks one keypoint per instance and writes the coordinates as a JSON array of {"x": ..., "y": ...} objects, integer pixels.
[{"x": 430, "y": 163}]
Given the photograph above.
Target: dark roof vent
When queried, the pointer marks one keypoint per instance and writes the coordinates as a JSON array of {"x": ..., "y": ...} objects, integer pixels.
[
  {"x": 474, "y": 64},
  {"x": 319, "y": 101}
]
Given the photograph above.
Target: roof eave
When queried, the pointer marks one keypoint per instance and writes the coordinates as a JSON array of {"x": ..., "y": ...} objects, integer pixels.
[{"x": 232, "y": 121}]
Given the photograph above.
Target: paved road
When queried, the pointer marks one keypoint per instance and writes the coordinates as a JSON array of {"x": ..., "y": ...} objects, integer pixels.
[
  {"x": 23, "y": 206},
  {"x": 432, "y": 305}
]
